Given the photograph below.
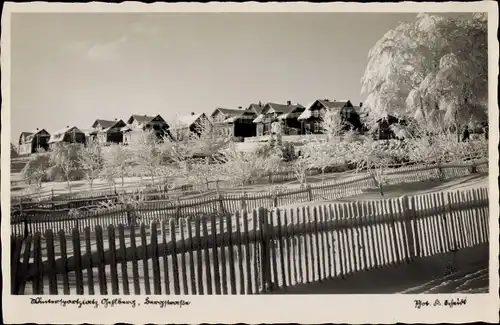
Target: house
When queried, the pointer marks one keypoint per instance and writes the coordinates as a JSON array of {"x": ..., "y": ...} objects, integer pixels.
[
  {"x": 256, "y": 108},
  {"x": 279, "y": 118},
  {"x": 107, "y": 132},
  {"x": 67, "y": 135},
  {"x": 30, "y": 142},
  {"x": 235, "y": 123},
  {"x": 137, "y": 124},
  {"x": 311, "y": 118},
  {"x": 189, "y": 125},
  {"x": 383, "y": 129}
]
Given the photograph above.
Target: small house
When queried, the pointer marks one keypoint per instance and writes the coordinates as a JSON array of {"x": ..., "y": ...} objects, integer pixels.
[
  {"x": 31, "y": 142},
  {"x": 108, "y": 132},
  {"x": 283, "y": 115},
  {"x": 311, "y": 119},
  {"x": 137, "y": 124},
  {"x": 235, "y": 123},
  {"x": 189, "y": 125},
  {"x": 67, "y": 135}
]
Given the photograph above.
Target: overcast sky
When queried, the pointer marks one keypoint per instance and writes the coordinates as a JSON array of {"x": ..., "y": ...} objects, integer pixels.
[{"x": 70, "y": 69}]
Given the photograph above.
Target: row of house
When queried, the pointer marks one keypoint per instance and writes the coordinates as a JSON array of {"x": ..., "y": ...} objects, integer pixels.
[{"x": 255, "y": 120}]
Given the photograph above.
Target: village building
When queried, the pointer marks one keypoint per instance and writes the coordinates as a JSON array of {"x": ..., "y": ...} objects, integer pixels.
[
  {"x": 286, "y": 115},
  {"x": 106, "y": 132},
  {"x": 67, "y": 135},
  {"x": 189, "y": 125},
  {"x": 311, "y": 118},
  {"x": 31, "y": 142},
  {"x": 235, "y": 123},
  {"x": 138, "y": 124},
  {"x": 382, "y": 130}
]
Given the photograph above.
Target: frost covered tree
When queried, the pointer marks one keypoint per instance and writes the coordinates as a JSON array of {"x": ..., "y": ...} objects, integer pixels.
[
  {"x": 118, "y": 162},
  {"x": 331, "y": 123},
  {"x": 147, "y": 155},
  {"x": 36, "y": 169},
  {"x": 432, "y": 68},
  {"x": 206, "y": 142},
  {"x": 239, "y": 167},
  {"x": 65, "y": 157},
  {"x": 91, "y": 161}
]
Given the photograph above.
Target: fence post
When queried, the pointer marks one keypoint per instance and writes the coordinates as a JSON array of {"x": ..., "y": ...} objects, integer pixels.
[
  {"x": 221, "y": 203},
  {"x": 265, "y": 261},
  {"x": 309, "y": 192},
  {"x": 25, "y": 220},
  {"x": 178, "y": 208},
  {"x": 409, "y": 217}
]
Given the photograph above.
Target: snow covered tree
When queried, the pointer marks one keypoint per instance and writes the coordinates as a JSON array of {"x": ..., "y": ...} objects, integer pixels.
[
  {"x": 118, "y": 162},
  {"x": 36, "y": 169},
  {"x": 91, "y": 161},
  {"x": 432, "y": 66},
  {"x": 206, "y": 142},
  {"x": 331, "y": 123},
  {"x": 65, "y": 157},
  {"x": 374, "y": 157},
  {"x": 239, "y": 167},
  {"x": 147, "y": 155}
]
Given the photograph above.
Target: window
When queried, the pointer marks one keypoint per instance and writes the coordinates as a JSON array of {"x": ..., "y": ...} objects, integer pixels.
[
  {"x": 316, "y": 113},
  {"x": 316, "y": 127}
]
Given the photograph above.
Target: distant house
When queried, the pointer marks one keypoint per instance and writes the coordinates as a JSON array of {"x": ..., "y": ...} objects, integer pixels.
[
  {"x": 311, "y": 118},
  {"x": 137, "y": 124},
  {"x": 256, "y": 108},
  {"x": 383, "y": 127},
  {"x": 235, "y": 123},
  {"x": 107, "y": 132},
  {"x": 30, "y": 142},
  {"x": 285, "y": 114},
  {"x": 67, "y": 135},
  {"x": 188, "y": 125}
]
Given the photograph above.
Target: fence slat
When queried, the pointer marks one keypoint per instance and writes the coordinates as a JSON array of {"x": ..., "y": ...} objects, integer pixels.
[
  {"x": 37, "y": 259},
  {"x": 248, "y": 270},
  {"x": 239, "y": 244},
  {"x": 88, "y": 257},
  {"x": 215, "y": 255},
  {"x": 155, "y": 258},
  {"x": 175, "y": 268},
  {"x": 135, "y": 257},
  {"x": 184, "y": 268},
  {"x": 78, "y": 261},
  {"x": 101, "y": 269},
  {"x": 51, "y": 258},
  {"x": 123, "y": 248},
  {"x": 223, "y": 253}
]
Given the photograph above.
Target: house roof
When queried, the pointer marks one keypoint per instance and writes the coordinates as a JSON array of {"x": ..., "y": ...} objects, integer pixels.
[
  {"x": 258, "y": 119},
  {"x": 29, "y": 135},
  {"x": 105, "y": 123},
  {"x": 334, "y": 103},
  {"x": 256, "y": 108},
  {"x": 283, "y": 108},
  {"x": 58, "y": 136},
  {"x": 187, "y": 120},
  {"x": 229, "y": 112},
  {"x": 142, "y": 119}
]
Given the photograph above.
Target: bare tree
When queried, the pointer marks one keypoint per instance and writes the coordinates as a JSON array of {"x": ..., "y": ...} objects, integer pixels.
[
  {"x": 147, "y": 155},
  {"x": 118, "y": 163}
]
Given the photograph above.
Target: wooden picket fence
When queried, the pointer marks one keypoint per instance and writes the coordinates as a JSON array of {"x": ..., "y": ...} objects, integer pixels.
[
  {"x": 248, "y": 253},
  {"x": 31, "y": 220}
]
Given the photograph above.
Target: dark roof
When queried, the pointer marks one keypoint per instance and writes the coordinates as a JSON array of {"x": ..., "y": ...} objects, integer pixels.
[
  {"x": 104, "y": 123},
  {"x": 334, "y": 103},
  {"x": 284, "y": 108},
  {"x": 143, "y": 119},
  {"x": 229, "y": 112},
  {"x": 256, "y": 107}
]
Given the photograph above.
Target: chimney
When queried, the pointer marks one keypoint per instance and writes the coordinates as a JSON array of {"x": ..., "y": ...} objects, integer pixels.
[
  {"x": 289, "y": 102},
  {"x": 326, "y": 100},
  {"x": 360, "y": 104},
  {"x": 192, "y": 113},
  {"x": 37, "y": 129},
  {"x": 67, "y": 126},
  {"x": 239, "y": 107},
  {"x": 116, "y": 119}
]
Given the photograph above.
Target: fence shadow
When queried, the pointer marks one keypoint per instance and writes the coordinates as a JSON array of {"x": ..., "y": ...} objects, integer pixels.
[{"x": 423, "y": 274}]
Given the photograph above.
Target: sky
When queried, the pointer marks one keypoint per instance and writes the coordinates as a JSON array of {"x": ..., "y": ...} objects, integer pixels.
[{"x": 69, "y": 69}]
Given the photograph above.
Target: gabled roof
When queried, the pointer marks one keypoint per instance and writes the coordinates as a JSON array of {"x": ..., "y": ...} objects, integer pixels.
[
  {"x": 282, "y": 108},
  {"x": 188, "y": 120},
  {"x": 228, "y": 112},
  {"x": 104, "y": 123},
  {"x": 256, "y": 108},
  {"x": 141, "y": 119},
  {"x": 59, "y": 135},
  {"x": 334, "y": 103},
  {"x": 30, "y": 135}
]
